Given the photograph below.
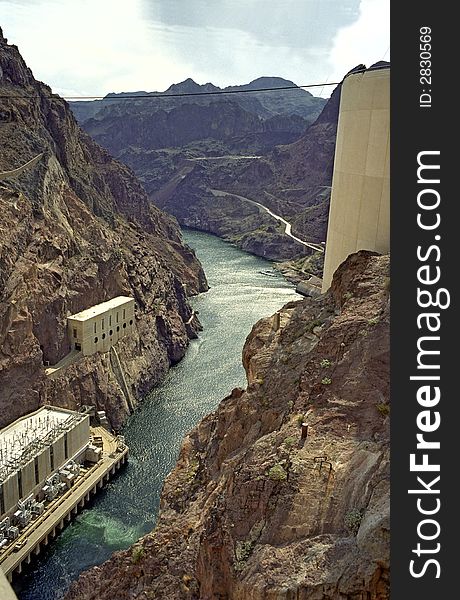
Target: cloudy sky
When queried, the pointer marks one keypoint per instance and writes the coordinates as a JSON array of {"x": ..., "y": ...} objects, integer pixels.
[{"x": 92, "y": 47}]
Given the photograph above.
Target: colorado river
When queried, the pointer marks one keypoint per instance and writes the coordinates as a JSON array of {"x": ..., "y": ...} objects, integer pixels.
[{"x": 127, "y": 509}]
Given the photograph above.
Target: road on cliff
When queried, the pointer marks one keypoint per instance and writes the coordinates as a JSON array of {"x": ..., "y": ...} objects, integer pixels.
[{"x": 288, "y": 226}]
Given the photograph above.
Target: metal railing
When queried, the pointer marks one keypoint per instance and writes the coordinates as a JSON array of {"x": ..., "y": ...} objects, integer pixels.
[{"x": 30, "y": 449}]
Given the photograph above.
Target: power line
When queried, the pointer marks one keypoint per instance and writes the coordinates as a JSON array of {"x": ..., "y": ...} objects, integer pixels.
[
  {"x": 188, "y": 94},
  {"x": 182, "y": 94}
]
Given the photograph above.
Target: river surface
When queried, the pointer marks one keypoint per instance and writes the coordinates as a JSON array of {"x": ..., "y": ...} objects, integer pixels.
[{"x": 127, "y": 508}]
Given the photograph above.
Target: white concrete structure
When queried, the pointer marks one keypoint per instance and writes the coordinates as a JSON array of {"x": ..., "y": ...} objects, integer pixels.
[
  {"x": 359, "y": 214},
  {"x": 36, "y": 446},
  {"x": 98, "y": 328}
]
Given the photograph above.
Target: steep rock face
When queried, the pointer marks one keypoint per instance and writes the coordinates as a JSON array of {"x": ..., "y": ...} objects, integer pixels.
[
  {"x": 165, "y": 139},
  {"x": 251, "y": 510},
  {"x": 224, "y": 121},
  {"x": 292, "y": 180},
  {"x": 77, "y": 229}
]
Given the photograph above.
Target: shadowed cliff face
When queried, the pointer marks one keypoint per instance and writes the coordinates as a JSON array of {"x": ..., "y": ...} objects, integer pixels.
[
  {"x": 288, "y": 135},
  {"x": 77, "y": 229},
  {"x": 250, "y": 511}
]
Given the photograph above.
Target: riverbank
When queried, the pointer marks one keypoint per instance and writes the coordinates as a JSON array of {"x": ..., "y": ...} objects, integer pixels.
[
  {"x": 240, "y": 295},
  {"x": 283, "y": 491}
]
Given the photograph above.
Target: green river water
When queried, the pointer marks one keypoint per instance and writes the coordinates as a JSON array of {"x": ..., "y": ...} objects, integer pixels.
[{"x": 127, "y": 508}]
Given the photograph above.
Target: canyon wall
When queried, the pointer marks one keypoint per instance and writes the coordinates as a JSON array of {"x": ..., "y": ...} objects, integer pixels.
[
  {"x": 253, "y": 511},
  {"x": 77, "y": 229}
]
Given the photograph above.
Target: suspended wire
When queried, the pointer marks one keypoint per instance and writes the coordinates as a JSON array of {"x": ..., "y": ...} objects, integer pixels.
[
  {"x": 182, "y": 94},
  {"x": 188, "y": 94},
  {"x": 386, "y": 52}
]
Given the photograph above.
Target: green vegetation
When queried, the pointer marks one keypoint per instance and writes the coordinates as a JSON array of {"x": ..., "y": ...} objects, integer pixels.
[
  {"x": 313, "y": 324},
  {"x": 326, "y": 381},
  {"x": 118, "y": 254},
  {"x": 383, "y": 408},
  {"x": 347, "y": 296},
  {"x": 353, "y": 520},
  {"x": 137, "y": 553},
  {"x": 242, "y": 553},
  {"x": 157, "y": 304},
  {"x": 300, "y": 419},
  {"x": 277, "y": 473},
  {"x": 325, "y": 363},
  {"x": 290, "y": 441},
  {"x": 193, "y": 468},
  {"x": 373, "y": 321}
]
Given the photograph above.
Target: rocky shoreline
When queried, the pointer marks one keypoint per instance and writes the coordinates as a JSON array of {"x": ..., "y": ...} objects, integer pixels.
[{"x": 251, "y": 509}]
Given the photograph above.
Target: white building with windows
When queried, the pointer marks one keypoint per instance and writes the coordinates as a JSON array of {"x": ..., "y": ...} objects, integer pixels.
[{"x": 98, "y": 328}]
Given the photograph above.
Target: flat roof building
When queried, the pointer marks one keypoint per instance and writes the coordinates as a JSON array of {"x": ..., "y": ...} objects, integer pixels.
[
  {"x": 36, "y": 446},
  {"x": 99, "y": 327}
]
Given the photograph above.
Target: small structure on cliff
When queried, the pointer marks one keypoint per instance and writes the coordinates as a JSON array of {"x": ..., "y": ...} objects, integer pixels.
[
  {"x": 311, "y": 287},
  {"x": 98, "y": 328}
]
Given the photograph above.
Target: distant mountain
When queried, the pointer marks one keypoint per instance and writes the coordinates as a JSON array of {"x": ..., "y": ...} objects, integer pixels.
[
  {"x": 288, "y": 102},
  {"x": 264, "y": 104},
  {"x": 208, "y": 159},
  {"x": 293, "y": 180}
]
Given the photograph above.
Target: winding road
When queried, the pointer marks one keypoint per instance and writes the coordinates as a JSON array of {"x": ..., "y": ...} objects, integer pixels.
[
  {"x": 288, "y": 226},
  {"x": 15, "y": 172},
  {"x": 225, "y": 156},
  {"x": 166, "y": 191}
]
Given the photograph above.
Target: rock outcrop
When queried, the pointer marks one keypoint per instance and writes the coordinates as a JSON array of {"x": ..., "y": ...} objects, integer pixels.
[
  {"x": 182, "y": 148},
  {"x": 252, "y": 510},
  {"x": 77, "y": 229}
]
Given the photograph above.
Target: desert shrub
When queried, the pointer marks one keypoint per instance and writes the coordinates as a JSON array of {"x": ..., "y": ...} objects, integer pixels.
[
  {"x": 353, "y": 520},
  {"x": 137, "y": 553},
  {"x": 277, "y": 473},
  {"x": 242, "y": 553},
  {"x": 300, "y": 419},
  {"x": 383, "y": 408},
  {"x": 290, "y": 441}
]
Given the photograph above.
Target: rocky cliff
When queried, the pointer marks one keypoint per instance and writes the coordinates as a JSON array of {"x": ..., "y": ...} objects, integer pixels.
[
  {"x": 184, "y": 147},
  {"x": 262, "y": 107},
  {"x": 77, "y": 229},
  {"x": 252, "y": 510}
]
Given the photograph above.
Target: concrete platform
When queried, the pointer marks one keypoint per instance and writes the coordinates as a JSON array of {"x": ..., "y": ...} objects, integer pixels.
[{"x": 60, "y": 511}]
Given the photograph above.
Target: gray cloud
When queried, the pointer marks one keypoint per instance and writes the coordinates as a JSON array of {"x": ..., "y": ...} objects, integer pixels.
[
  {"x": 290, "y": 23},
  {"x": 114, "y": 45}
]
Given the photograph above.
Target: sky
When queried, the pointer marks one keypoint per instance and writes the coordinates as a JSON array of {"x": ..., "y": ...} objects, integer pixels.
[{"x": 93, "y": 47}]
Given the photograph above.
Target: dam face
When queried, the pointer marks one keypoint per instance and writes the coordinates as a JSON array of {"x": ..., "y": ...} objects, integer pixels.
[{"x": 359, "y": 214}]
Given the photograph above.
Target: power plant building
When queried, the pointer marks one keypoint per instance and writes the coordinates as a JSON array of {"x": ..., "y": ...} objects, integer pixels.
[
  {"x": 35, "y": 448},
  {"x": 359, "y": 214},
  {"x": 98, "y": 328}
]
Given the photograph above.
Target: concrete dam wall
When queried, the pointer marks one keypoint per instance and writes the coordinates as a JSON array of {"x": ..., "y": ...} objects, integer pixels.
[{"x": 359, "y": 214}]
